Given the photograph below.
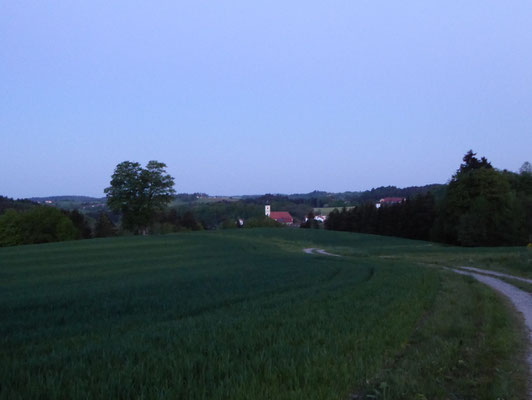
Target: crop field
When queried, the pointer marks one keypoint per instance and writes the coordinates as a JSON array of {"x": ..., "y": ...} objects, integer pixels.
[{"x": 246, "y": 314}]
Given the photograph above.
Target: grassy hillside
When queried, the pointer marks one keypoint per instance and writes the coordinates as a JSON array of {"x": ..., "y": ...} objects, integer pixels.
[{"x": 245, "y": 314}]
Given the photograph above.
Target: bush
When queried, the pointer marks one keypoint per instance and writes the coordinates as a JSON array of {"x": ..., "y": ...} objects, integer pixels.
[
  {"x": 262, "y": 222},
  {"x": 104, "y": 226},
  {"x": 38, "y": 225}
]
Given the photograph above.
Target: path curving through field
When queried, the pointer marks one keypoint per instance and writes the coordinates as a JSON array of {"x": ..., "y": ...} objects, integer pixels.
[
  {"x": 312, "y": 250},
  {"x": 495, "y": 273},
  {"x": 521, "y": 300}
]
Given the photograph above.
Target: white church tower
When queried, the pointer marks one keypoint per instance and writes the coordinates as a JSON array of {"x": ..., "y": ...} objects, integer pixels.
[{"x": 267, "y": 210}]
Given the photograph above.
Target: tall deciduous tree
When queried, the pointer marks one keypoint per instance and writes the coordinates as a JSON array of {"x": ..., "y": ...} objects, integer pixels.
[{"x": 138, "y": 193}]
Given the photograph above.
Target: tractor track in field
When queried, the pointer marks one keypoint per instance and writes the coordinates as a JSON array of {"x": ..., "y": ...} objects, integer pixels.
[
  {"x": 521, "y": 300},
  {"x": 312, "y": 250}
]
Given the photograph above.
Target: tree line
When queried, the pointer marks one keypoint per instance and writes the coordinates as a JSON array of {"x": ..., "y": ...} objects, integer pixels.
[
  {"x": 481, "y": 206},
  {"x": 43, "y": 224},
  {"x": 37, "y": 223},
  {"x": 139, "y": 195},
  {"x": 411, "y": 219},
  {"x": 137, "y": 199},
  {"x": 142, "y": 195}
]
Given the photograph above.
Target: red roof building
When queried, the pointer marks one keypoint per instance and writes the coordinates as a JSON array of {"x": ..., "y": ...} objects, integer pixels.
[{"x": 283, "y": 217}]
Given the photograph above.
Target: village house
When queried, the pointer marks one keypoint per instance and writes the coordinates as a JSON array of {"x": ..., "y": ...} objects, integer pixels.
[{"x": 282, "y": 217}]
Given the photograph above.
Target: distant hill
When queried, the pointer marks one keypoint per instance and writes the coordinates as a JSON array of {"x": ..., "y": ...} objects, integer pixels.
[
  {"x": 19, "y": 205},
  {"x": 335, "y": 199},
  {"x": 76, "y": 199},
  {"x": 82, "y": 203},
  {"x": 393, "y": 191},
  {"x": 316, "y": 198}
]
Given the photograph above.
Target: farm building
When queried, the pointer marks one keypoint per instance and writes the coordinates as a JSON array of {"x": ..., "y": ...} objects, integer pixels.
[
  {"x": 319, "y": 218},
  {"x": 282, "y": 217},
  {"x": 389, "y": 201}
]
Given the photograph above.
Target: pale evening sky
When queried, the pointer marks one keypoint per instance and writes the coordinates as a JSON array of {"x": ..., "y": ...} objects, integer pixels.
[{"x": 248, "y": 97}]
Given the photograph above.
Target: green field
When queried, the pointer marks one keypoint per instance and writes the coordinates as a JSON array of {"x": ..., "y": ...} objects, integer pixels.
[
  {"x": 327, "y": 210},
  {"x": 245, "y": 314}
]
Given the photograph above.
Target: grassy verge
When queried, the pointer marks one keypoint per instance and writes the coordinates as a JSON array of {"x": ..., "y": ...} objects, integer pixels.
[
  {"x": 510, "y": 260},
  {"x": 468, "y": 346},
  {"x": 527, "y": 287}
]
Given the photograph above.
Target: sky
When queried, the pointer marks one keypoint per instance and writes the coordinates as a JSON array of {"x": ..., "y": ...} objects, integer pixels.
[{"x": 247, "y": 97}]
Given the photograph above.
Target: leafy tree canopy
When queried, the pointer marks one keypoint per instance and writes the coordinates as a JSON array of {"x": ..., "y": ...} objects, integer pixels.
[
  {"x": 38, "y": 225},
  {"x": 138, "y": 193}
]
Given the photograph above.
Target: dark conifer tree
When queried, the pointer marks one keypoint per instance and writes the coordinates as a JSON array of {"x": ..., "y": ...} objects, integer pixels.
[
  {"x": 81, "y": 224},
  {"x": 104, "y": 227}
]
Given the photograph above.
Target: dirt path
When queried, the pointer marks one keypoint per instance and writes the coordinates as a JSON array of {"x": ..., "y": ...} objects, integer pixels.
[
  {"x": 487, "y": 272},
  {"x": 519, "y": 298},
  {"x": 312, "y": 250}
]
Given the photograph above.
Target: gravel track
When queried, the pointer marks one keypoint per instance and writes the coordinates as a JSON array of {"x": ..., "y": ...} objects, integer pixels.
[{"x": 495, "y": 273}]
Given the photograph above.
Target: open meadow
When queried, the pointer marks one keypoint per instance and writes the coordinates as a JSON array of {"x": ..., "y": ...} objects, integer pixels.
[{"x": 246, "y": 314}]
